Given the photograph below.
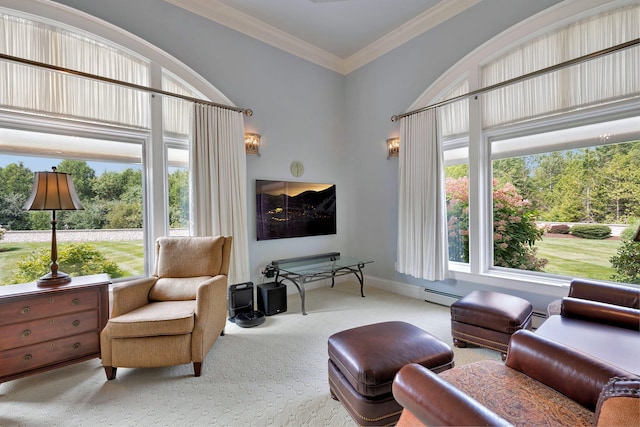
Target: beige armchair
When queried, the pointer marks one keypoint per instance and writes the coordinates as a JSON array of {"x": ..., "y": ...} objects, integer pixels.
[{"x": 174, "y": 316}]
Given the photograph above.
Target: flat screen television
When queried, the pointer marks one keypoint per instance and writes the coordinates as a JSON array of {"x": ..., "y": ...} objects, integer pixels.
[{"x": 294, "y": 209}]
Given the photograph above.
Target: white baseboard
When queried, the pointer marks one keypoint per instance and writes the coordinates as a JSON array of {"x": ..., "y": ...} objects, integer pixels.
[
  {"x": 431, "y": 295},
  {"x": 411, "y": 291}
]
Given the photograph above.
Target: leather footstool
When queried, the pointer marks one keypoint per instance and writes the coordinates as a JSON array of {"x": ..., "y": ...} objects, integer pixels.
[
  {"x": 488, "y": 319},
  {"x": 363, "y": 362}
]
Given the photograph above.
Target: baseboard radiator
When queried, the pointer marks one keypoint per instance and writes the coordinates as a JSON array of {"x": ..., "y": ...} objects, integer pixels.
[
  {"x": 446, "y": 299},
  {"x": 439, "y": 297}
]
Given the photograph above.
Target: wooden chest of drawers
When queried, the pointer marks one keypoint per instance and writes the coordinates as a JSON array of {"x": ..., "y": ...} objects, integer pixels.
[{"x": 47, "y": 328}]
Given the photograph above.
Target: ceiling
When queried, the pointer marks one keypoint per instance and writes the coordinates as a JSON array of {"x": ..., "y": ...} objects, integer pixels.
[{"x": 341, "y": 35}]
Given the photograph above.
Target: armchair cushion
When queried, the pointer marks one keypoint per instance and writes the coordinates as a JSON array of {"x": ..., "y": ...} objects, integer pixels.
[
  {"x": 619, "y": 403},
  {"x": 515, "y": 396},
  {"x": 176, "y": 289},
  {"x": 188, "y": 256},
  {"x": 155, "y": 319}
]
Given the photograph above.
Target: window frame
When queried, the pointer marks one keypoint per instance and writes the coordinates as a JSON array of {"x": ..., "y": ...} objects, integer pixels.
[
  {"x": 171, "y": 143},
  {"x": 482, "y": 266}
]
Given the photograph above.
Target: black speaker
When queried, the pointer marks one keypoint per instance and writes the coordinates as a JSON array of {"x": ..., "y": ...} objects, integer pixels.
[
  {"x": 272, "y": 298},
  {"x": 240, "y": 299}
]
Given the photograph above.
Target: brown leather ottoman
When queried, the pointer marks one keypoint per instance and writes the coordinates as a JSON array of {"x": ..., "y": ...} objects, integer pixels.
[
  {"x": 488, "y": 319},
  {"x": 363, "y": 362}
]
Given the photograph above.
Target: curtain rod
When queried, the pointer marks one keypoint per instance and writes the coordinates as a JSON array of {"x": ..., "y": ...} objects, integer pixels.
[
  {"x": 527, "y": 76},
  {"x": 246, "y": 111}
]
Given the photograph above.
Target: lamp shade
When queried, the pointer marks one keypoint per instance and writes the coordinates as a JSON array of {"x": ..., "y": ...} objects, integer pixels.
[{"x": 53, "y": 191}]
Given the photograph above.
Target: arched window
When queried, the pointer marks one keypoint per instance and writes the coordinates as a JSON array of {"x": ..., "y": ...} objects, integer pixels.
[
  {"x": 130, "y": 169},
  {"x": 565, "y": 144}
]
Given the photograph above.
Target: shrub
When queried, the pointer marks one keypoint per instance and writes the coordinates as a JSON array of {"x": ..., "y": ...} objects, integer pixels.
[
  {"x": 559, "y": 229},
  {"x": 514, "y": 230},
  {"x": 514, "y": 227},
  {"x": 627, "y": 262},
  {"x": 591, "y": 231},
  {"x": 630, "y": 232},
  {"x": 125, "y": 215},
  {"x": 75, "y": 259}
]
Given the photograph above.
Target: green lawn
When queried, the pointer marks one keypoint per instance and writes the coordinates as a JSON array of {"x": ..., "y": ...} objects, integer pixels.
[
  {"x": 567, "y": 256},
  {"x": 12, "y": 252},
  {"x": 578, "y": 257},
  {"x": 127, "y": 254}
]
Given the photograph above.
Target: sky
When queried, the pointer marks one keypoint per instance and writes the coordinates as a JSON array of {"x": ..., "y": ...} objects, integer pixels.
[
  {"x": 289, "y": 188},
  {"x": 39, "y": 164}
]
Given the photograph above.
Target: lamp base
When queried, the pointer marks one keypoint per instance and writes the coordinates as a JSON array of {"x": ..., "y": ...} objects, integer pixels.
[{"x": 49, "y": 280}]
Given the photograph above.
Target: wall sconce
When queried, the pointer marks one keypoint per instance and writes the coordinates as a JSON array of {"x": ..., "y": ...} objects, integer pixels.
[
  {"x": 393, "y": 145},
  {"x": 252, "y": 143}
]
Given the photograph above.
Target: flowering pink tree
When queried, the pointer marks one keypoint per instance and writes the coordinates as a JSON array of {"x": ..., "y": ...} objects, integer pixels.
[
  {"x": 514, "y": 228},
  {"x": 457, "y": 190}
]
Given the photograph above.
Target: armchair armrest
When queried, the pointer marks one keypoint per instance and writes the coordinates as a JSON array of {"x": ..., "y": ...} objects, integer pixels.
[
  {"x": 210, "y": 316},
  {"x": 625, "y": 296},
  {"x": 131, "y": 295},
  {"x": 611, "y": 314},
  {"x": 577, "y": 375},
  {"x": 434, "y": 401},
  {"x": 211, "y": 297}
]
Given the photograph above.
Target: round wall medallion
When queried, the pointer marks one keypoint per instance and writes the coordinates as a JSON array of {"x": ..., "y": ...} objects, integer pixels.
[{"x": 297, "y": 168}]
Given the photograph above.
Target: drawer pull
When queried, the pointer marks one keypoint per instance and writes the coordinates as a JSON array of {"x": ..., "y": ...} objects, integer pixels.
[
  {"x": 51, "y": 300},
  {"x": 76, "y": 323},
  {"x": 75, "y": 301},
  {"x": 27, "y": 357},
  {"x": 25, "y": 310},
  {"x": 26, "y": 333},
  {"x": 76, "y": 345}
]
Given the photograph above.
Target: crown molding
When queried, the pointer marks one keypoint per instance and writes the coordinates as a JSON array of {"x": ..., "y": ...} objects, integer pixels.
[
  {"x": 422, "y": 23},
  {"x": 252, "y": 27}
]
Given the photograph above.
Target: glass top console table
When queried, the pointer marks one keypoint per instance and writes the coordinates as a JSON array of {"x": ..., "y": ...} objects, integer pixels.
[{"x": 312, "y": 268}]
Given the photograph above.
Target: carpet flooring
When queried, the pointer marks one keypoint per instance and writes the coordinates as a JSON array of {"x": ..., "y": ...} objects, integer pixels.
[{"x": 274, "y": 374}]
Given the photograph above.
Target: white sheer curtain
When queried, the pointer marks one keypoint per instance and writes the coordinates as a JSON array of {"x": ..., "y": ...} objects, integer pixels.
[
  {"x": 31, "y": 89},
  {"x": 454, "y": 117},
  {"x": 609, "y": 78},
  {"x": 218, "y": 182},
  {"x": 423, "y": 248},
  {"x": 176, "y": 113}
]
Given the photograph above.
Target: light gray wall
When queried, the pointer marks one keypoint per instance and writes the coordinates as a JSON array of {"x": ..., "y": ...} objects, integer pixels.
[
  {"x": 337, "y": 125},
  {"x": 298, "y": 106},
  {"x": 389, "y": 86}
]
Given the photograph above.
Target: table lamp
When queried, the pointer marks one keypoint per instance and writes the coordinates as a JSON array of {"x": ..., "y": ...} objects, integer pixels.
[{"x": 53, "y": 191}]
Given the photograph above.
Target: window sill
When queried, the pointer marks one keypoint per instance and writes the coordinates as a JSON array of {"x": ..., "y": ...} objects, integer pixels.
[{"x": 501, "y": 278}]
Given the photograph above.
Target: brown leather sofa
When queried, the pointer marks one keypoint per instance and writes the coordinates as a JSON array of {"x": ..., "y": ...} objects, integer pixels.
[
  {"x": 542, "y": 382},
  {"x": 600, "y": 319}
]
